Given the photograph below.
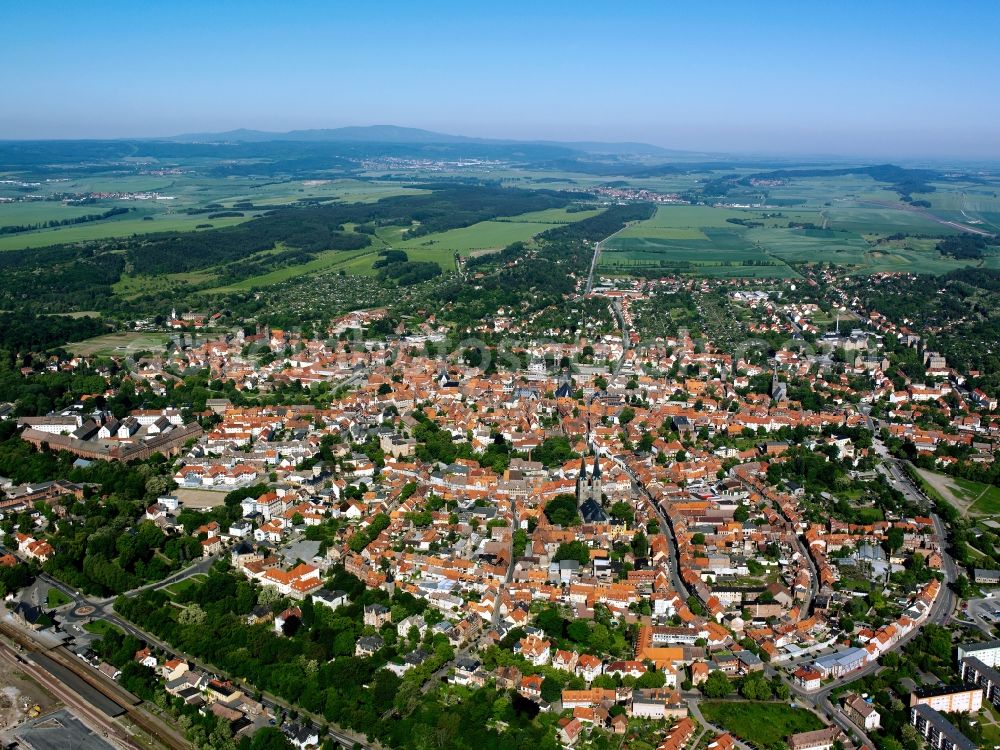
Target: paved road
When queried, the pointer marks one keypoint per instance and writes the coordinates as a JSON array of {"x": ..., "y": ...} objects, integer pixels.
[
  {"x": 510, "y": 565},
  {"x": 675, "y": 579},
  {"x": 803, "y": 551},
  {"x": 593, "y": 261},
  {"x": 941, "y": 610},
  {"x": 200, "y": 567},
  {"x": 616, "y": 307}
]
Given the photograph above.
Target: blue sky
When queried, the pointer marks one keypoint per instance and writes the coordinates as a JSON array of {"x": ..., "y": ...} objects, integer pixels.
[{"x": 854, "y": 78}]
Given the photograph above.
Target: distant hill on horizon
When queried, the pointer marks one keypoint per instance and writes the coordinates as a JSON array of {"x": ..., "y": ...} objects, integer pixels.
[{"x": 414, "y": 136}]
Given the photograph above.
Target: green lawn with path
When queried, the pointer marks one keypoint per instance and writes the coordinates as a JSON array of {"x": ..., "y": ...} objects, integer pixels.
[
  {"x": 175, "y": 589},
  {"x": 56, "y": 598},
  {"x": 100, "y": 627}
]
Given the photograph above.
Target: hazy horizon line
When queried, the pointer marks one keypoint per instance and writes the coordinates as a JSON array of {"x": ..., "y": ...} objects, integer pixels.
[{"x": 714, "y": 153}]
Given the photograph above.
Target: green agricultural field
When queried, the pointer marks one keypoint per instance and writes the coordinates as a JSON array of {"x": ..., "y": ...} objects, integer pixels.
[
  {"x": 883, "y": 219},
  {"x": 123, "y": 226},
  {"x": 38, "y": 212},
  {"x": 692, "y": 217},
  {"x": 731, "y": 242},
  {"x": 686, "y": 234},
  {"x": 812, "y": 245},
  {"x": 486, "y": 235},
  {"x": 643, "y": 231},
  {"x": 552, "y": 216},
  {"x": 693, "y": 239},
  {"x": 913, "y": 261},
  {"x": 286, "y": 192},
  {"x": 820, "y": 192},
  {"x": 187, "y": 191},
  {"x": 761, "y": 724}
]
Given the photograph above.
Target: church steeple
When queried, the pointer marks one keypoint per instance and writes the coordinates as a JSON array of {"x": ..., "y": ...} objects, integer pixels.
[{"x": 588, "y": 491}]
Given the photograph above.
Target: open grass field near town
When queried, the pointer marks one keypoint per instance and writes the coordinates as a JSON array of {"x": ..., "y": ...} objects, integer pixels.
[
  {"x": 969, "y": 497},
  {"x": 761, "y": 724},
  {"x": 119, "y": 344}
]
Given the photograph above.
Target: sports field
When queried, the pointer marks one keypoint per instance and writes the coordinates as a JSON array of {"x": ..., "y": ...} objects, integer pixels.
[{"x": 119, "y": 344}]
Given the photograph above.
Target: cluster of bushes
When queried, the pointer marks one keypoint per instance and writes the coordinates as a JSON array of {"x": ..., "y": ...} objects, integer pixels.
[{"x": 963, "y": 246}]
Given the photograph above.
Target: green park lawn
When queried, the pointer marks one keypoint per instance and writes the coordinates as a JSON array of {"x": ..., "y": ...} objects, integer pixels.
[
  {"x": 100, "y": 627},
  {"x": 57, "y": 598}
]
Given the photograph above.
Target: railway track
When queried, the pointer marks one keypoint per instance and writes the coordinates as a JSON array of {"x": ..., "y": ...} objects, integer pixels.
[
  {"x": 130, "y": 704},
  {"x": 95, "y": 719}
]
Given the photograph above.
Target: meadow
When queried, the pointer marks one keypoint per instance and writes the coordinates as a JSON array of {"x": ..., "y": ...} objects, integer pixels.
[
  {"x": 551, "y": 216},
  {"x": 175, "y": 589},
  {"x": 968, "y": 496}
]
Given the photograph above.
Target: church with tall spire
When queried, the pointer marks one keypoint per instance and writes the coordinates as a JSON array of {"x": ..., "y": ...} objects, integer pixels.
[{"x": 588, "y": 492}]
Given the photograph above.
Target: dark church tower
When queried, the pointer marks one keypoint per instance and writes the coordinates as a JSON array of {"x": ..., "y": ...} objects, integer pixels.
[
  {"x": 581, "y": 482},
  {"x": 589, "y": 487},
  {"x": 595, "y": 480}
]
